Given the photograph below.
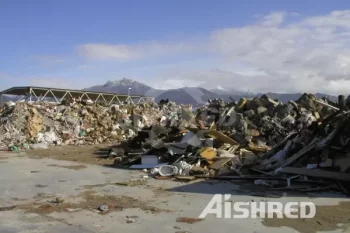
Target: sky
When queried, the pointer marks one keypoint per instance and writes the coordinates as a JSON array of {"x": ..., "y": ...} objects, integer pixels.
[{"x": 263, "y": 46}]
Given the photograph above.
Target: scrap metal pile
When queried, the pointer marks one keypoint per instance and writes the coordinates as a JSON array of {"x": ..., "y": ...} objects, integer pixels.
[{"x": 301, "y": 145}]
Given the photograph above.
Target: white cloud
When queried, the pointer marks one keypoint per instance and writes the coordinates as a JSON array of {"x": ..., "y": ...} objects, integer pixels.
[
  {"x": 310, "y": 54},
  {"x": 333, "y": 19},
  {"x": 273, "y": 19},
  {"x": 106, "y": 51},
  {"x": 175, "y": 81},
  {"x": 126, "y": 52}
]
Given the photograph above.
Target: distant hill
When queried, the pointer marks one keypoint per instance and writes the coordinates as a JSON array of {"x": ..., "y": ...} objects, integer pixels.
[
  {"x": 122, "y": 87},
  {"x": 187, "y": 95}
]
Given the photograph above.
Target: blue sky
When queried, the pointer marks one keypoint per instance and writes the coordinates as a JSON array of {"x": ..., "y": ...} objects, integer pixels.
[{"x": 217, "y": 44}]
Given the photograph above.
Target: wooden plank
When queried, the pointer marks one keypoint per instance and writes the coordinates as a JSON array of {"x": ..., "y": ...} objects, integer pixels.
[
  {"x": 317, "y": 173},
  {"x": 300, "y": 153},
  {"x": 277, "y": 147},
  {"x": 222, "y": 137},
  {"x": 185, "y": 178},
  {"x": 254, "y": 147},
  {"x": 218, "y": 164}
]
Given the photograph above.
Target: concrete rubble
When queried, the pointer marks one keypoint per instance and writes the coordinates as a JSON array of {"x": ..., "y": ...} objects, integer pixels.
[
  {"x": 25, "y": 125},
  {"x": 301, "y": 145}
]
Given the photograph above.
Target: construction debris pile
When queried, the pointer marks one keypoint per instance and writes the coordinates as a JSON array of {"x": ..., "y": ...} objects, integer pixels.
[
  {"x": 301, "y": 145},
  {"x": 25, "y": 125}
]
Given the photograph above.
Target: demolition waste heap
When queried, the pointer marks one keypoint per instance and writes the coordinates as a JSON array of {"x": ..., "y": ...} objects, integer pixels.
[{"x": 302, "y": 145}]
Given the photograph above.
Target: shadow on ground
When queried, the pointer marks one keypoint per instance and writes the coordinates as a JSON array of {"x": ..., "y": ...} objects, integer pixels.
[{"x": 248, "y": 188}]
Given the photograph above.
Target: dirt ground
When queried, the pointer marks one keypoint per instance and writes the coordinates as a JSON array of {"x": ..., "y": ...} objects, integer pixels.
[
  {"x": 88, "y": 200},
  {"x": 89, "y": 154},
  {"x": 328, "y": 218}
]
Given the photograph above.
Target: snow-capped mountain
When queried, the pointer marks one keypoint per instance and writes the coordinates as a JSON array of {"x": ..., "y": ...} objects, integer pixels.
[{"x": 122, "y": 87}]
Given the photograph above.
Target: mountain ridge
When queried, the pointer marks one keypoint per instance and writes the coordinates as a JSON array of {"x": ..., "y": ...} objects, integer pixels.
[{"x": 187, "y": 95}]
